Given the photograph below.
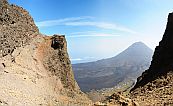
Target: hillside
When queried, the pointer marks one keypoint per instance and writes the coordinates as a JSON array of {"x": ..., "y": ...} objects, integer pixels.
[
  {"x": 35, "y": 69},
  {"x": 154, "y": 86},
  {"x": 105, "y": 73}
]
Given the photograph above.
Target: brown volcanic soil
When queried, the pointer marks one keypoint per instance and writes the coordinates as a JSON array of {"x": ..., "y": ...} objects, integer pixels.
[
  {"x": 156, "y": 93},
  {"x": 35, "y": 69}
]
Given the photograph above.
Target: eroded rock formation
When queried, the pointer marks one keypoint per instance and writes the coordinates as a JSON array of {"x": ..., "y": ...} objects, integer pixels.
[
  {"x": 16, "y": 26},
  {"x": 34, "y": 69},
  {"x": 163, "y": 57},
  {"x": 154, "y": 86}
]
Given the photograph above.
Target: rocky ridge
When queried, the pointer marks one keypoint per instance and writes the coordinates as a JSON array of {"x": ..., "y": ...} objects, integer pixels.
[
  {"x": 16, "y": 26},
  {"x": 162, "y": 59},
  {"x": 154, "y": 86},
  {"x": 34, "y": 69}
]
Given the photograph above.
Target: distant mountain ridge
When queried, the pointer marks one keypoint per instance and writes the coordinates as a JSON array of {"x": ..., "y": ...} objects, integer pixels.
[{"x": 106, "y": 73}]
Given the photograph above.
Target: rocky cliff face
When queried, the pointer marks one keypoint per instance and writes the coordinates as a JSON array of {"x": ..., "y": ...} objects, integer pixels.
[
  {"x": 16, "y": 26},
  {"x": 162, "y": 59},
  {"x": 154, "y": 86},
  {"x": 34, "y": 69}
]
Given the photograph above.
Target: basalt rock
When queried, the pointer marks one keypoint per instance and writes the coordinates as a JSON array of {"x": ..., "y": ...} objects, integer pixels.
[
  {"x": 56, "y": 60},
  {"x": 34, "y": 69},
  {"x": 16, "y": 26},
  {"x": 162, "y": 61},
  {"x": 154, "y": 86}
]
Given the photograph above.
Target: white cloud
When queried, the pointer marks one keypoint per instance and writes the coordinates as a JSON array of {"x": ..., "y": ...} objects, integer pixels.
[
  {"x": 89, "y": 57},
  {"x": 102, "y": 25},
  {"x": 82, "y": 59},
  {"x": 84, "y": 21},
  {"x": 57, "y": 22},
  {"x": 76, "y": 59},
  {"x": 81, "y": 33},
  {"x": 93, "y": 35}
]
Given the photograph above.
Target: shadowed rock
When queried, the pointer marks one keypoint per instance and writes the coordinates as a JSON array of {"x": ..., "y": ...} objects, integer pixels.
[{"x": 162, "y": 61}]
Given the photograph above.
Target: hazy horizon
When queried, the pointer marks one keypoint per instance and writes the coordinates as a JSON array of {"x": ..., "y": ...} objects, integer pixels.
[{"x": 97, "y": 29}]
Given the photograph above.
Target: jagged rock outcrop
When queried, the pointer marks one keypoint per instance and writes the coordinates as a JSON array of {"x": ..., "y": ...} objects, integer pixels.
[
  {"x": 117, "y": 99},
  {"x": 163, "y": 57},
  {"x": 16, "y": 26},
  {"x": 56, "y": 60},
  {"x": 34, "y": 69},
  {"x": 154, "y": 86}
]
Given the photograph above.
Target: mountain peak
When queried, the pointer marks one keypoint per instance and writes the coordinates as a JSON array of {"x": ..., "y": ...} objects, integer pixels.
[
  {"x": 108, "y": 72},
  {"x": 138, "y": 49},
  {"x": 139, "y": 44}
]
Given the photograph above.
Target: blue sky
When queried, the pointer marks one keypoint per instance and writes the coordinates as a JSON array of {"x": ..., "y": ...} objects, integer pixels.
[{"x": 97, "y": 29}]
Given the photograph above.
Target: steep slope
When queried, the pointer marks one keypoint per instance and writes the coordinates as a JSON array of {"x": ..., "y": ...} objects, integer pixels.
[
  {"x": 154, "y": 86},
  {"x": 108, "y": 72},
  {"x": 34, "y": 69}
]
